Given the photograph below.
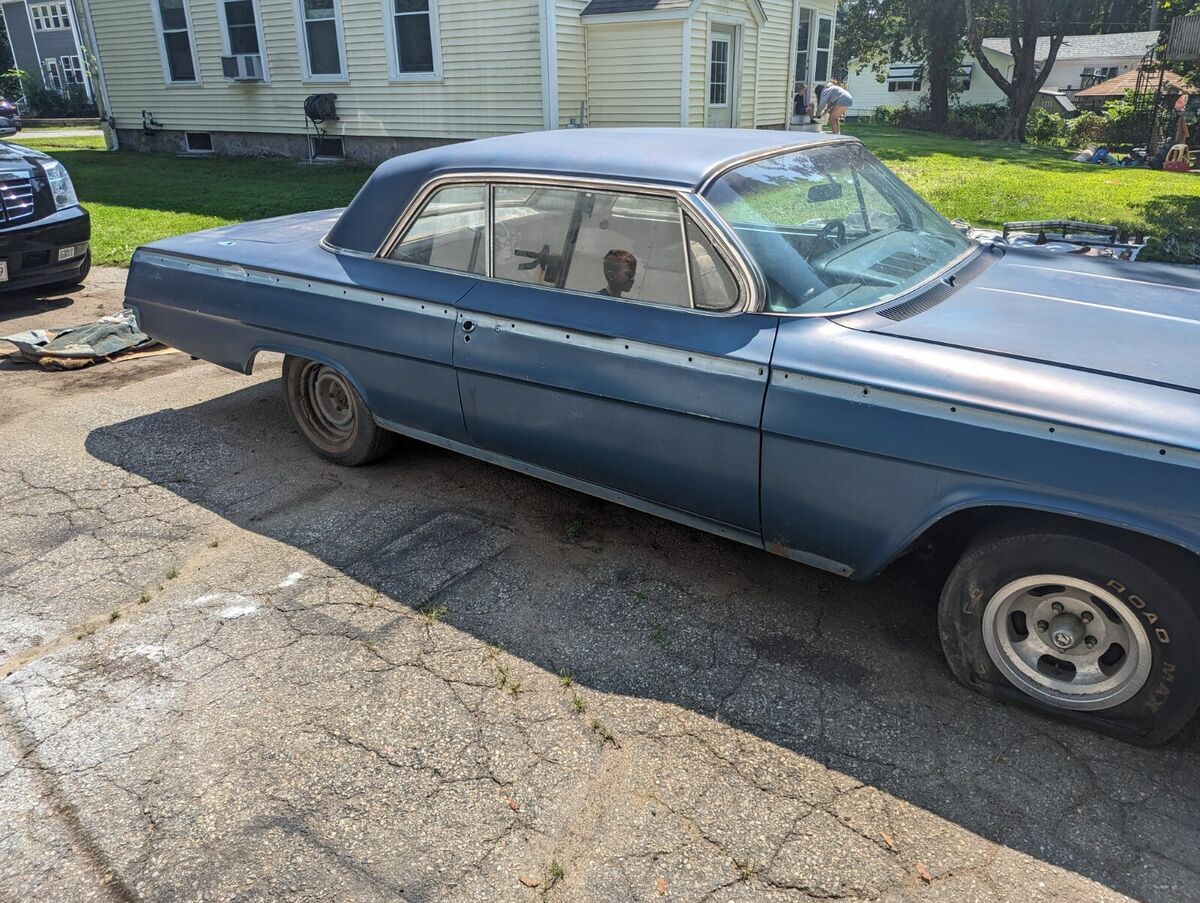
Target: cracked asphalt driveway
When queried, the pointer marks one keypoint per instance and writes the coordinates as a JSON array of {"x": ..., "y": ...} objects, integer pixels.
[{"x": 232, "y": 671}]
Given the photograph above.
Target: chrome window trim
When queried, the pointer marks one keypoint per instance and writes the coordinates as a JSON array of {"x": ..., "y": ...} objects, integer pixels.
[
  {"x": 687, "y": 255},
  {"x": 732, "y": 252},
  {"x": 778, "y": 150}
]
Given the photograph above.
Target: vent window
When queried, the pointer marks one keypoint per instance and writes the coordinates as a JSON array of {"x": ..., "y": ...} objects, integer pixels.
[
  {"x": 198, "y": 142},
  {"x": 329, "y": 148}
]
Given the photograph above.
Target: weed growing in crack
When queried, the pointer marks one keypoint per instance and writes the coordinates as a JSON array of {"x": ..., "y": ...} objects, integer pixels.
[
  {"x": 214, "y": 543},
  {"x": 640, "y": 596},
  {"x": 658, "y": 636},
  {"x": 746, "y": 869},
  {"x": 514, "y": 687},
  {"x": 601, "y": 730},
  {"x": 578, "y": 704},
  {"x": 114, "y": 615},
  {"x": 143, "y": 598},
  {"x": 173, "y": 573},
  {"x": 432, "y": 613},
  {"x": 573, "y": 531},
  {"x": 502, "y": 676},
  {"x": 565, "y": 678},
  {"x": 554, "y": 874}
]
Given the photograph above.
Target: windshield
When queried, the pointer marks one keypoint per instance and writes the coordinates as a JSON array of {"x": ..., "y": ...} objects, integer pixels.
[{"x": 833, "y": 230}]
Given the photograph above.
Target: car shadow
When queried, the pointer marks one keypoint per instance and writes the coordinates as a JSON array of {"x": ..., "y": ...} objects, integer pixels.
[
  {"x": 845, "y": 674},
  {"x": 25, "y": 304}
]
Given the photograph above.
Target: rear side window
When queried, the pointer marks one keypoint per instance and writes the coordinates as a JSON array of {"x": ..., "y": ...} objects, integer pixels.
[
  {"x": 626, "y": 246},
  {"x": 449, "y": 231}
]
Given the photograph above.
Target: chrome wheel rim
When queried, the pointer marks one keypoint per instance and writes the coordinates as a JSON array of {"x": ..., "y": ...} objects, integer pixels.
[
  {"x": 329, "y": 402},
  {"x": 1067, "y": 642}
]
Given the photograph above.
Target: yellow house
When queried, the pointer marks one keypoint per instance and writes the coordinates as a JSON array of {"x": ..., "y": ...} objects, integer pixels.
[{"x": 233, "y": 76}]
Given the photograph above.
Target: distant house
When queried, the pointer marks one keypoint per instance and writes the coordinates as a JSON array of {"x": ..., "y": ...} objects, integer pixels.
[
  {"x": 1095, "y": 97},
  {"x": 45, "y": 39},
  {"x": 1082, "y": 60},
  {"x": 232, "y": 75}
]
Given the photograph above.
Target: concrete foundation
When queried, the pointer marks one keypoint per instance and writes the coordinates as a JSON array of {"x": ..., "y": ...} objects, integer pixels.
[{"x": 359, "y": 149}]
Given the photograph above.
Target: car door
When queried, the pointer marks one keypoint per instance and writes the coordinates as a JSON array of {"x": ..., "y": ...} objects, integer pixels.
[{"x": 606, "y": 347}]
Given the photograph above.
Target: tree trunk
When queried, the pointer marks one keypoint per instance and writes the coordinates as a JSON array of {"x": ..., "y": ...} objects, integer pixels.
[{"x": 939, "y": 86}]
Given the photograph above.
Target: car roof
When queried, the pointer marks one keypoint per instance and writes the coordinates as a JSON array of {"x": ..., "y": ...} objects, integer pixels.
[{"x": 674, "y": 157}]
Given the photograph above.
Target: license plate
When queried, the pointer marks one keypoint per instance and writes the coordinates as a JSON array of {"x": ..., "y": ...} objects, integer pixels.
[{"x": 3, "y": 271}]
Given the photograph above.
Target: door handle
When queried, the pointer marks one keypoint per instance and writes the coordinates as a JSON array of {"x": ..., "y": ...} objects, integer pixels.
[{"x": 468, "y": 325}]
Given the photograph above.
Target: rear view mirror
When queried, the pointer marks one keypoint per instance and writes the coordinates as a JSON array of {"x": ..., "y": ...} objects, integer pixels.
[{"x": 826, "y": 191}]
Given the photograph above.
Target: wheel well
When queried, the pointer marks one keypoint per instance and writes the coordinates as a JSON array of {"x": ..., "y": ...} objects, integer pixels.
[{"x": 945, "y": 541}]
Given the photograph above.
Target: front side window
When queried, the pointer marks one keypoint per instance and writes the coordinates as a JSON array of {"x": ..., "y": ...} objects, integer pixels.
[
  {"x": 603, "y": 243},
  {"x": 47, "y": 16},
  {"x": 833, "y": 230},
  {"x": 413, "y": 30},
  {"x": 176, "y": 32},
  {"x": 449, "y": 231},
  {"x": 241, "y": 26},
  {"x": 322, "y": 44}
]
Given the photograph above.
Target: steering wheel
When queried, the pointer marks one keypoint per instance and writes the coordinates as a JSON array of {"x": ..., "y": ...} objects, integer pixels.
[{"x": 827, "y": 233}]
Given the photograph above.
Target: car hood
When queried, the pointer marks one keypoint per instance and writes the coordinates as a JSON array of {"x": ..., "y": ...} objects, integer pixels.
[
  {"x": 14, "y": 157},
  {"x": 1136, "y": 320}
]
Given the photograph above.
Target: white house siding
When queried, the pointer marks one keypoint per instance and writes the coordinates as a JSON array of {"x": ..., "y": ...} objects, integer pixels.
[
  {"x": 634, "y": 73},
  {"x": 776, "y": 61},
  {"x": 697, "y": 71},
  {"x": 869, "y": 92},
  {"x": 572, "y": 59},
  {"x": 1068, "y": 74},
  {"x": 491, "y": 73}
]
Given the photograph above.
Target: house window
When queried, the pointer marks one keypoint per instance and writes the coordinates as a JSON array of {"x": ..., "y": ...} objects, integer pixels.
[
  {"x": 803, "y": 42},
  {"x": 53, "y": 74},
  {"x": 904, "y": 77},
  {"x": 824, "y": 51},
  {"x": 176, "y": 31},
  {"x": 49, "y": 15},
  {"x": 72, "y": 70},
  {"x": 962, "y": 82},
  {"x": 241, "y": 26},
  {"x": 198, "y": 142},
  {"x": 322, "y": 41},
  {"x": 414, "y": 24}
]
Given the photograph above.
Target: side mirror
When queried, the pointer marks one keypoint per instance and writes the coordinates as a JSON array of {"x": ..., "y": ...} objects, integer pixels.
[{"x": 826, "y": 191}]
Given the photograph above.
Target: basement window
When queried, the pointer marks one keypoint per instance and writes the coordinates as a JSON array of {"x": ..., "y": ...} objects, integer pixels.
[
  {"x": 327, "y": 147},
  {"x": 198, "y": 142}
]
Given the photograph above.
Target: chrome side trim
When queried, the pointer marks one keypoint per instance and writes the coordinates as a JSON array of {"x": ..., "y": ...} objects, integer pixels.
[
  {"x": 1131, "y": 281},
  {"x": 1186, "y": 321},
  {"x": 327, "y": 245},
  {"x": 296, "y": 283},
  {"x": 687, "y": 360},
  {"x": 952, "y": 410},
  {"x": 602, "y": 492}
]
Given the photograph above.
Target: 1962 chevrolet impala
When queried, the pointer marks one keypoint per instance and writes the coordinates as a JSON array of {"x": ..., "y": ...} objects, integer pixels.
[{"x": 769, "y": 337}]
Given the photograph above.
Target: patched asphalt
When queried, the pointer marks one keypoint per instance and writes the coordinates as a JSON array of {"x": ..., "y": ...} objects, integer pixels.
[{"x": 239, "y": 672}]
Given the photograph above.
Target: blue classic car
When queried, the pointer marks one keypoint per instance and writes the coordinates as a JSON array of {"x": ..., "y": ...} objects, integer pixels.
[{"x": 767, "y": 336}]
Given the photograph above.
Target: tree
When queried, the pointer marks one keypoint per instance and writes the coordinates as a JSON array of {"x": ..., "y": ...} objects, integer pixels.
[
  {"x": 875, "y": 33},
  {"x": 1023, "y": 20}
]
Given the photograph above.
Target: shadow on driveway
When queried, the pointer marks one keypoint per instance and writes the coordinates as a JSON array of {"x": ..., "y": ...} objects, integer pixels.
[{"x": 848, "y": 675}]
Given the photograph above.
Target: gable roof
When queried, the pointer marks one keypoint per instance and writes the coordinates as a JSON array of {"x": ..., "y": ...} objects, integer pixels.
[
  {"x": 603, "y": 7},
  {"x": 1086, "y": 46},
  {"x": 1127, "y": 81}
]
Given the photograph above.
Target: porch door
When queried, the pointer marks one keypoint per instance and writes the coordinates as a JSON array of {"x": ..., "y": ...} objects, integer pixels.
[{"x": 720, "y": 77}]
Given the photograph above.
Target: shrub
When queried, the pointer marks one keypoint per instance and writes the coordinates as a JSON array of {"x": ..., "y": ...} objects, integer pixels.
[
  {"x": 965, "y": 120},
  {"x": 10, "y": 83},
  {"x": 45, "y": 102},
  {"x": 1044, "y": 127}
]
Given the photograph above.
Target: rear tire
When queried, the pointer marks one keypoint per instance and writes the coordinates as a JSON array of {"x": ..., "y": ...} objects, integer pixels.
[
  {"x": 1093, "y": 627},
  {"x": 331, "y": 415}
]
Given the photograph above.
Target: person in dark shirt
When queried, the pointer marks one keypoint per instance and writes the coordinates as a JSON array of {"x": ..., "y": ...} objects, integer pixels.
[{"x": 620, "y": 270}]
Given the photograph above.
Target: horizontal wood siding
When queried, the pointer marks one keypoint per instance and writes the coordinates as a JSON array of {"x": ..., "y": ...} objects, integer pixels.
[
  {"x": 698, "y": 76},
  {"x": 634, "y": 73},
  {"x": 775, "y": 66},
  {"x": 491, "y": 69},
  {"x": 572, "y": 59}
]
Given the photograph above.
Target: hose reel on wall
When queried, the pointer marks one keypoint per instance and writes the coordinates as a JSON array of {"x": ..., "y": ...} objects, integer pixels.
[{"x": 318, "y": 109}]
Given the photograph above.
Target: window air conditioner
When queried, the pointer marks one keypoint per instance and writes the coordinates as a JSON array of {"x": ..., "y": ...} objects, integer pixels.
[{"x": 242, "y": 67}]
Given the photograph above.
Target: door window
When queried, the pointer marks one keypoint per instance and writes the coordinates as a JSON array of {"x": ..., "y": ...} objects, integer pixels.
[
  {"x": 718, "y": 79},
  {"x": 824, "y": 48},
  {"x": 449, "y": 231},
  {"x": 603, "y": 243}
]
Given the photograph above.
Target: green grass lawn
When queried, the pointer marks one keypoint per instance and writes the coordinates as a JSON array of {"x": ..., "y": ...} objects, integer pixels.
[{"x": 135, "y": 198}]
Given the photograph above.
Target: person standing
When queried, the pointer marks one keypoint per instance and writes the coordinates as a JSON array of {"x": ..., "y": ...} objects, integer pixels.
[{"x": 837, "y": 100}]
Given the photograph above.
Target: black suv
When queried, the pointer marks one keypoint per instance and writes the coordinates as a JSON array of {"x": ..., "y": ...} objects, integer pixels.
[{"x": 44, "y": 233}]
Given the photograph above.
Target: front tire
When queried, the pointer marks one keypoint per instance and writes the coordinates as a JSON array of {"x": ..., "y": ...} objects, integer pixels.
[
  {"x": 1095, "y": 628},
  {"x": 331, "y": 415}
]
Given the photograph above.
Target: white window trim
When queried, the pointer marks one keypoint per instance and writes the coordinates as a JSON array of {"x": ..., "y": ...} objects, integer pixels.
[
  {"x": 63, "y": 10},
  {"x": 306, "y": 76},
  {"x": 262, "y": 39},
  {"x": 162, "y": 46},
  {"x": 394, "y": 73}
]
